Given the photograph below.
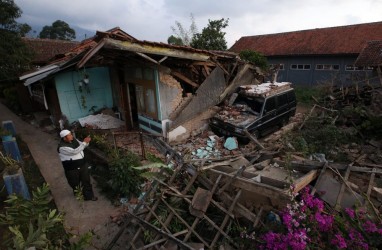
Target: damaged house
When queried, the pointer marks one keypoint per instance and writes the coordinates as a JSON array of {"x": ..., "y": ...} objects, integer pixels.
[
  {"x": 161, "y": 88},
  {"x": 152, "y": 86}
]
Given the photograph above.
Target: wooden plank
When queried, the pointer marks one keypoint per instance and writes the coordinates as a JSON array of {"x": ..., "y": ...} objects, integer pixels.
[
  {"x": 205, "y": 217},
  {"x": 190, "y": 229},
  {"x": 371, "y": 183},
  {"x": 225, "y": 220},
  {"x": 342, "y": 190},
  {"x": 184, "y": 78},
  {"x": 159, "y": 231},
  {"x": 303, "y": 181},
  {"x": 227, "y": 199},
  {"x": 255, "y": 187},
  {"x": 146, "y": 57},
  {"x": 258, "y": 217},
  {"x": 238, "y": 173},
  {"x": 253, "y": 138},
  {"x": 163, "y": 240}
]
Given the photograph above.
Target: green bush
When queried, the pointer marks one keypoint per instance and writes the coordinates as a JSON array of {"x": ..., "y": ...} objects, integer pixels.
[
  {"x": 32, "y": 223},
  {"x": 11, "y": 99},
  {"x": 306, "y": 95},
  {"x": 125, "y": 179},
  {"x": 254, "y": 57}
]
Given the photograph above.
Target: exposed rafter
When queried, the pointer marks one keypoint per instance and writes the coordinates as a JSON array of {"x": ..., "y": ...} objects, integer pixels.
[{"x": 184, "y": 78}]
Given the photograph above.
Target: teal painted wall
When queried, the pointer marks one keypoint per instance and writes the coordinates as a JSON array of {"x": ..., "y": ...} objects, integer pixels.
[{"x": 71, "y": 98}]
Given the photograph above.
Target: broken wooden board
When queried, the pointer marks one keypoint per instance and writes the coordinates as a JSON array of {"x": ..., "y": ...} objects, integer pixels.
[
  {"x": 329, "y": 189},
  {"x": 200, "y": 202}
]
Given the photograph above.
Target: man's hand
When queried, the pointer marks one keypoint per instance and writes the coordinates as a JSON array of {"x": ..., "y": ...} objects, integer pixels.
[{"x": 87, "y": 139}]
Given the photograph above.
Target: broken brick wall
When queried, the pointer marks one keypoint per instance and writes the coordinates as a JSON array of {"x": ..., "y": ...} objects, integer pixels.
[{"x": 170, "y": 94}]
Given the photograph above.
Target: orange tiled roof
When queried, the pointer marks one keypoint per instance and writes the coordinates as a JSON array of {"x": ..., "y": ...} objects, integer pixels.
[
  {"x": 46, "y": 49},
  {"x": 371, "y": 55},
  {"x": 325, "y": 41}
]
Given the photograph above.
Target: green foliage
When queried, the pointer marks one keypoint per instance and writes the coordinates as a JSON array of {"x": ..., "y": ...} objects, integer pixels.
[
  {"x": 59, "y": 30},
  {"x": 36, "y": 237},
  {"x": 155, "y": 174},
  {"x": 125, "y": 179},
  {"x": 152, "y": 158},
  {"x": 10, "y": 165},
  {"x": 78, "y": 193},
  {"x": 11, "y": 98},
  {"x": 83, "y": 242},
  {"x": 183, "y": 36},
  {"x": 369, "y": 124},
  {"x": 318, "y": 136},
  {"x": 173, "y": 40},
  {"x": 305, "y": 95},
  {"x": 31, "y": 223},
  {"x": 9, "y": 13},
  {"x": 14, "y": 55},
  {"x": 212, "y": 36},
  {"x": 254, "y": 57}
]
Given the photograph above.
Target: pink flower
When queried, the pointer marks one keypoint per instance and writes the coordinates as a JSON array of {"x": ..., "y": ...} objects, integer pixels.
[
  {"x": 370, "y": 227},
  {"x": 325, "y": 222},
  {"x": 339, "y": 241},
  {"x": 350, "y": 212}
]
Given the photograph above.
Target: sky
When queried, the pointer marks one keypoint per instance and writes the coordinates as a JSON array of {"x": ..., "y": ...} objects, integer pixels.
[{"x": 152, "y": 20}]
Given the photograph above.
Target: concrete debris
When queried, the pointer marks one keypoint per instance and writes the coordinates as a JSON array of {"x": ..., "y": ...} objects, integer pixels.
[
  {"x": 223, "y": 182},
  {"x": 231, "y": 143}
]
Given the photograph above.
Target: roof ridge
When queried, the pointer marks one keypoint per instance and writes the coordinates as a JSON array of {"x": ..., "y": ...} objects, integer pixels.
[{"x": 316, "y": 29}]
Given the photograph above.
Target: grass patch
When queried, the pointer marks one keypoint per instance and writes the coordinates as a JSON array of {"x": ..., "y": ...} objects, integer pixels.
[{"x": 306, "y": 95}]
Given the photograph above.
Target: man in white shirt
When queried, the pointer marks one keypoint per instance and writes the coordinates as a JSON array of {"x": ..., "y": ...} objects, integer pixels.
[{"x": 71, "y": 152}]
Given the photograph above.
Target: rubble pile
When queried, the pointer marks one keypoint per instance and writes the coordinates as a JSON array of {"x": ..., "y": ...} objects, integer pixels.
[
  {"x": 237, "y": 114},
  {"x": 218, "y": 184}
]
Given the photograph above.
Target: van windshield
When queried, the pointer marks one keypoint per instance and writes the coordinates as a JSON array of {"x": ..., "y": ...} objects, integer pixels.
[{"x": 255, "y": 103}]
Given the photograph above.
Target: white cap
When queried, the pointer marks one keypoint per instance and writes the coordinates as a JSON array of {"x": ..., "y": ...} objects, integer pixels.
[{"x": 64, "y": 133}]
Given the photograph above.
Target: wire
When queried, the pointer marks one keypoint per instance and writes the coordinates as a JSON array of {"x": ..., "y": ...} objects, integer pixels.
[{"x": 75, "y": 92}]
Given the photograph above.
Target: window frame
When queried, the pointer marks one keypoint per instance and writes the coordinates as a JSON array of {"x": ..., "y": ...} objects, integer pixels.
[{"x": 296, "y": 66}]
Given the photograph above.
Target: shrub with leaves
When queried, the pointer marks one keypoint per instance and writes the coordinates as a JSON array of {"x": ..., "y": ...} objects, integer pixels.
[
  {"x": 126, "y": 180},
  {"x": 32, "y": 223}
]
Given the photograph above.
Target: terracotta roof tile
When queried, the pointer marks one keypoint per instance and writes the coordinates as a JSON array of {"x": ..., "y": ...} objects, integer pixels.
[
  {"x": 46, "y": 49},
  {"x": 324, "y": 41},
  {"x": 371, "y": 55}
]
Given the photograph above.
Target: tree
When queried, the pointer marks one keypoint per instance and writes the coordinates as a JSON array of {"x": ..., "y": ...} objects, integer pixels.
[
  {"x": 254, "y": 57},
  {"x": 183, "y": 36},
  {"x": 59, "y": 30},
  {"x": 9, "y": 12},
  {"x": 14, "y": 54},
  {"x": 174, "y": 40},
  {"x": 212, "y": 37}
]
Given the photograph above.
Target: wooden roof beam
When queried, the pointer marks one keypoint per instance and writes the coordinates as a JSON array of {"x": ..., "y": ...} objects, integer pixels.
[
  {"x": 184, "y": 78},
  {"x": 147, "y": 57}
]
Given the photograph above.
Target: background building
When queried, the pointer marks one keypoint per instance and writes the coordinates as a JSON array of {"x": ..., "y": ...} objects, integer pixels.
[{"x": 311, "y": 57}]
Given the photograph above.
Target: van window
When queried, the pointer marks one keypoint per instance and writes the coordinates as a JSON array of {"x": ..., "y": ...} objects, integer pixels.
[
  {"x": 291, "y": 96},
  {"x": 282, "y": 99},
  {"x": 270, "y": 104},
  {"x": 256, "y": 104}
]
